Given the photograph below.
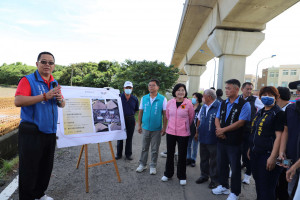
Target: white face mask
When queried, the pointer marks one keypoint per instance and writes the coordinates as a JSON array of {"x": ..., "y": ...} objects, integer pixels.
[{"x": 128, "y": 91}]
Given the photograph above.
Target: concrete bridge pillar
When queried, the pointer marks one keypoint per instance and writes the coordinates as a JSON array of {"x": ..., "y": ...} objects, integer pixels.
[
  {"x": 232, "y": 47},
  {"x": 194, "y": 72},
  {"x": 183, "y": 78}
]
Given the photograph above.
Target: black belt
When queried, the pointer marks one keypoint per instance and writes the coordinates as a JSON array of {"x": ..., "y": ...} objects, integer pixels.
[{"x": 129, "y": 116}]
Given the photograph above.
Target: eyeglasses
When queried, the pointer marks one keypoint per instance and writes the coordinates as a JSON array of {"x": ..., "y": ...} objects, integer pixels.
[{"x": 44, "y": 62}]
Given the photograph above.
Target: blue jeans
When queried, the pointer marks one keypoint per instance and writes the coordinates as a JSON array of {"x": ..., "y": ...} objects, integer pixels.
[
  {"x": 265, "y": 181},
  {"x": 192, "y": 147},
  {"x": 229, "y": 155}
]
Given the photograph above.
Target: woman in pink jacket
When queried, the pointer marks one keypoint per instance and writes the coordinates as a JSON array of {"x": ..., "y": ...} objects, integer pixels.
[{"x": 180, "y": 115}]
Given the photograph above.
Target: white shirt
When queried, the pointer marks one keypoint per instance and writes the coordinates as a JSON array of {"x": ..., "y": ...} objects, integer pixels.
[
  {"x": 207, "y": 109},
  {"x": 258, "y": 104},
  {"x": 284, "y": 107},
  {"x": 152, "y": 100}
]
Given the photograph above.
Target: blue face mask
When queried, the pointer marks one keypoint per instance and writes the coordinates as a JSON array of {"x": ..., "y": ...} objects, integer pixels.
[
  {"x": 194, "y": 100},
  {"x": 128, "y": 91},
  {"x": 267, "y": 101}
]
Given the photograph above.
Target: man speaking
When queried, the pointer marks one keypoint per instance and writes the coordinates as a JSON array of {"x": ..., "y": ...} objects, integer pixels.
[{"x": 38, "y": 94}]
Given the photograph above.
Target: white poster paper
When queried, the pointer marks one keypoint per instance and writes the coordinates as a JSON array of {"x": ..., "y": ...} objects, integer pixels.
[{"x": 91, "y": 115}]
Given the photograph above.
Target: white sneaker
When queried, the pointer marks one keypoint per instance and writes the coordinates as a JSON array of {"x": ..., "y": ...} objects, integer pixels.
[
  {"x": 45, "y": 197},
  {"x": 182, "y": 182},
  {"x": 220, "y": 190},
  {"x": 232, "y": 196},
  {"x": 246, "y": 179},
  {"x": 152, "y": 170},
  {"x": 164, "y": 178},
  {"x": 141, "y": 168},
  {"x": 163, "y": 154}
]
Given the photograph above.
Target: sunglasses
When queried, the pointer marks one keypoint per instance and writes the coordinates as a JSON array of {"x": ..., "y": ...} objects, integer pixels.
[{"x": 44, "y": 62}]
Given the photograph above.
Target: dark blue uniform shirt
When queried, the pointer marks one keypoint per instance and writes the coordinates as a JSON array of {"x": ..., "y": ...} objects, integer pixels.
[{"x": 130, "y": 106}]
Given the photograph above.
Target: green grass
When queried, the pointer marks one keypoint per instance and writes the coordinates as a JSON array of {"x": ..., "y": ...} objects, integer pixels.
[{"x": 7, "y": 166}]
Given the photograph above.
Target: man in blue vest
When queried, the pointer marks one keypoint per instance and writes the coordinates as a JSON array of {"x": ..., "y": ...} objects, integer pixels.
[
  {"x": 230, "y": 120},
  {"x": 290, "y": 140},
  {"x": 206, "y": 133},
  {"x": 255, "y": 104},
  {"x": 152, "y": 112},
  {"x": 38, "y": 94}
]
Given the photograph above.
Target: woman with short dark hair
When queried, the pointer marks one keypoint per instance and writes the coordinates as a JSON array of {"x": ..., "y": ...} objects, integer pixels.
[
  {"x": 180, "y": 115},
  {"x": 266, "y": 129}
]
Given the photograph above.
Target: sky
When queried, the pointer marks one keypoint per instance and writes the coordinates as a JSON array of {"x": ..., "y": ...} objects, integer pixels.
[
  {"x": 82, "y": 31},
  {"x": 90, "y": 30}
]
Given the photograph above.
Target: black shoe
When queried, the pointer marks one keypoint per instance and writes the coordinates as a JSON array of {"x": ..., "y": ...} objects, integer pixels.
[
  {"x": 188, "y": 161},
  {"x": 201, "y": 180},
  {"x": 193, "y": 164},
  {"x": 129, "y": 158},
  {"x": 118, "y": 157},
  {"x": 212, "y": 185}
]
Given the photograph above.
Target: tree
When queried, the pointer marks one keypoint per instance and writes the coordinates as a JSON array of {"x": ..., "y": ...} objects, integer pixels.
[
  {"x": 11, "y": 74},
  {"x": 88, "y": 74},
  {"x": 141, "y": 72}
]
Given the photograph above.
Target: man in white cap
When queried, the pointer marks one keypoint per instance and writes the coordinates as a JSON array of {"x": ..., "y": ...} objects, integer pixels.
[{"x": 130, "y": 105}]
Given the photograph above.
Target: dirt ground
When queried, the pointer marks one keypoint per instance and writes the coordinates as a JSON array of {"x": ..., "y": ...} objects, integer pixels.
[
  {"x": 7, "y": 91},
  {"x": 68, "y": 183}
]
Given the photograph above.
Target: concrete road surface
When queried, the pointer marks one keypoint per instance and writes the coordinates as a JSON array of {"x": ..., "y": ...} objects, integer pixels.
[{"x": 68, "y": 183}]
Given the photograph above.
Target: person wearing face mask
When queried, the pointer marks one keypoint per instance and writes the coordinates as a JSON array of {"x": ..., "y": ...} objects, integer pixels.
[
  {"x": 193, "y": 144},
  {"x": 130, "y": 105},
  {"x": 266, "y": 130},
  {"x": 290, "y": 141},
  {"x": 180, "y": 115}
]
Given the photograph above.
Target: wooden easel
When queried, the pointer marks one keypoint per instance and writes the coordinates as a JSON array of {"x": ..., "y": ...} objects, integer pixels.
[{"x": 85, "y": 148}]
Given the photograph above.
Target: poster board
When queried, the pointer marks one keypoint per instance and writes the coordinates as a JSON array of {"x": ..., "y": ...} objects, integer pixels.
[{"x": 91, "y": 115}]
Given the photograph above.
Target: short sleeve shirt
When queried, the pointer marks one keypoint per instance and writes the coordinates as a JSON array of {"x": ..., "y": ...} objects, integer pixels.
[
  {"x": 245, "y": 112},
  {"x": 24, "y": 88},
  {"x": 151, "y": 101}
]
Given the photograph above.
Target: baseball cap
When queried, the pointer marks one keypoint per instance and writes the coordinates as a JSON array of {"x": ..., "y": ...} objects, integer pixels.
[
  {"x": 128, "y": 84},
  {"x": 295, "y": 85}
]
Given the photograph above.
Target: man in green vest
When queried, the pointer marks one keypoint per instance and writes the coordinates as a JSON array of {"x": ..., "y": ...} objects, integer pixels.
[{"x": 151, "y": 112}]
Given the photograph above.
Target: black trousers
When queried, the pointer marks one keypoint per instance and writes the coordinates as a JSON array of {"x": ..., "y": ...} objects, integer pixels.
[
  {"x": 246, "y": 161},
  {"x": 282, "y": 187},
  {"x": 229, "y": 155},
  {"x": 265, "y": 181},
  {"x": 36, "y": 155},
  {"x": 130, "y": 125},
  {"x": 182, "y": 150}
]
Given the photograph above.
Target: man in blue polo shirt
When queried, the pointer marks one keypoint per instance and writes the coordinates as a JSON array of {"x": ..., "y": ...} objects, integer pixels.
[
  {"x": 130, "y": 104},
  {"x": 230, "y": 120}
]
